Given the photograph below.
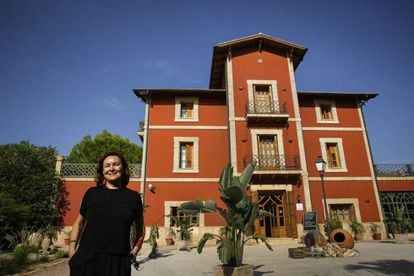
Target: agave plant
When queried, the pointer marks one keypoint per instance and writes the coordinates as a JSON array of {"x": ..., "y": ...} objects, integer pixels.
[{"x": 238, "y": 216}]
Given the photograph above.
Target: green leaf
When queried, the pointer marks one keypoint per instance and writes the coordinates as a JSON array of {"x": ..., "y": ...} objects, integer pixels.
[
  {"x": 234, "y": 194},
  {"x": 226, "y": 176},
  {"x": 204, "y": 239},
  {"x": 225, "y": 250},
  {"x": 246, "y": 175}
]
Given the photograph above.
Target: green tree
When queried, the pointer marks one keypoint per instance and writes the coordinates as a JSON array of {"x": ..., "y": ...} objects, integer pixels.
[
  {"x": 30, "y": 192},
  {"x": 90, "y": 150}
]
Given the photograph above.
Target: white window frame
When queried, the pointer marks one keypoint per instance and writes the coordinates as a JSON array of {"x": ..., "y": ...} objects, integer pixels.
[
  {"x": 319, "y": 119},
  {"x": 167, "y": 213},
  {"x": 176, "y": 162},
  {"x": 351, "y": 201},
  {"x": 338, "y": 141},
  {"x": 272, "y": 83},
  {"x": 178, "y": 101},
  {"x": 257, "y": 132}
]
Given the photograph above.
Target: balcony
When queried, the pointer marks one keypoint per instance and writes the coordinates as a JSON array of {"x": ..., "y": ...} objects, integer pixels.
[
  {"x": 266, "y": 111},
  {"x": 141, "y": 130},
  {"x": 277, "y": 164},
  {"x": 394, "y": 170}
]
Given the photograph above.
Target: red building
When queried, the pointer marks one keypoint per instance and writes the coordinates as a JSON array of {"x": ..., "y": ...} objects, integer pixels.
[{"x": 252, "y": 112}]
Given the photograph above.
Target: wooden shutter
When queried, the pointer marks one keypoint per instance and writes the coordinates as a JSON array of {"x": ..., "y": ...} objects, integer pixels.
[
  {"x": 189, "y": 155},
  {"x": 291, "y": 227},
  {"x": 333, "y": 155}
]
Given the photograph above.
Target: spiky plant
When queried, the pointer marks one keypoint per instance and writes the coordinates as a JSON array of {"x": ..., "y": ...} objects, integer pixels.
[{"x": 239, "y": 216}]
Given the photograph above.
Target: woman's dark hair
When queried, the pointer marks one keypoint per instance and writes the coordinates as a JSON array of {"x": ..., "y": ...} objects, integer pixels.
[{"x": 100, "y": 179}]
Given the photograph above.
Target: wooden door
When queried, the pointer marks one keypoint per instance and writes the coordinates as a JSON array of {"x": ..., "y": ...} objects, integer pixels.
[
  {"x": 268, "y": 152},
  {"x": 273, "y": 202},
  {"x": 263, "y": 98}
]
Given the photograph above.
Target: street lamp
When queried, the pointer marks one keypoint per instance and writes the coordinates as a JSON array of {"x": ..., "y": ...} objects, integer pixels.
[{"x": 321, "y": 166}]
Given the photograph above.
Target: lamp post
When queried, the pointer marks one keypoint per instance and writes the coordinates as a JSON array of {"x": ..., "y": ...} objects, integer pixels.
[{"x": 321, "y": 166}]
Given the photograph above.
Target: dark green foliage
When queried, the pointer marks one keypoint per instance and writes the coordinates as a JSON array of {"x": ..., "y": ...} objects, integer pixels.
[
  {"x": 185, "y": 226},
  {"x": 238, "y": 217},
  {"x": 398, "y": 221},
  {"x": 335, "y": 223},
  {"x": 90, "y": 150},
  {"x": 152, "y": 240},
  {"x": 30, "y": 192}
]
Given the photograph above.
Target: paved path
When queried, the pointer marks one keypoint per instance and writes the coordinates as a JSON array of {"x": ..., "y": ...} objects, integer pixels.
[{"x": 376, "y": 258}]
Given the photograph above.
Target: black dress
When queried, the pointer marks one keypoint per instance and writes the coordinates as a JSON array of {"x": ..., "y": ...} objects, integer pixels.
[{"x": 105, "y": 242}]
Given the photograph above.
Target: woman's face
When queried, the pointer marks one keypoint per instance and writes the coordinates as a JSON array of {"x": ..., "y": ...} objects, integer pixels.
[{"x": 112, "y": 168}]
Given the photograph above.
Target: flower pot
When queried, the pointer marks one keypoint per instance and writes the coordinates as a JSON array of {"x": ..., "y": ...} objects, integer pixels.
[
  {"x": 377, "y": 236},
  {"x": 169, "y": 241},
  {"x": 66, "y": 241},
  {"x": 184, "y": 245},
  {"x": 224, "y": 270}
]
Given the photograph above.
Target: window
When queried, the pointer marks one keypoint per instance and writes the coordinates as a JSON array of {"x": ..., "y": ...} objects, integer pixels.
[
  {"x": 186, "y": 109},
  {"x": 180, "y": 216},
  {"x": 268, "y": 152},
  {"x": 342, "y": 212},
  {"x": 185, "y": 155},
  {"x": 263, "y": 102},
  {"x": 171, "y": 209},
  {"x": 262, "y": 95},
  {"x": 333, "y": 153},
  {"x": 267, "y": 148},
  {"x": 326, "y": 112}
]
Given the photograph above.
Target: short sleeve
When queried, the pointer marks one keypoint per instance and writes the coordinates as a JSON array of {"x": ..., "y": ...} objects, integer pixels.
[{"x": 84, "y": 204}]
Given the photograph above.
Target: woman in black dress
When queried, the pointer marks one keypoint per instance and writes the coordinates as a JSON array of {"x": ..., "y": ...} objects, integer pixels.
[{"x": 106, "y": 214}]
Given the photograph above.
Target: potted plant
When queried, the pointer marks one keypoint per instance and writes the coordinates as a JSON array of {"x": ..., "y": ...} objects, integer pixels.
[
  {"x": 66, "y": 238},
  {"x": 398, "y": 224},
  {"x": 169, "y": 238},
  {"x": 376, "y": 231},
  {"x": 238, "y": 216},
  {"x": 358, "y": 229},
  {"x": 184, "y": 228},
  {"x": 152, "y": 240}
]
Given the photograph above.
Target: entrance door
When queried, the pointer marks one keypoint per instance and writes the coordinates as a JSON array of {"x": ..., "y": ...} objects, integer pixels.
[
  {"x": 273, "y": 202},
  {"x": 268, "y": 152}
]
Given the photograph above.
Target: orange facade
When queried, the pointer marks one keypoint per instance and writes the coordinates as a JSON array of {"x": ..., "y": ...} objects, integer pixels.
[{"x": 252, "y": 112}]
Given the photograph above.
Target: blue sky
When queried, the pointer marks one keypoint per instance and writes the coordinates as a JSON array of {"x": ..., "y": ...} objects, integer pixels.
[{"x": 67, "y": 68}]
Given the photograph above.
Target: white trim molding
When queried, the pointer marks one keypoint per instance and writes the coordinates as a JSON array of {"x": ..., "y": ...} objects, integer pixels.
[
  {"x": 333, "y": 128},
  {"x": 272, "y": 83},
  {"x": 176, "y": 160},
  {"x": 342, "y": 178},
  {"x": 341, "y": 152},
  {"x": 232, "y": 119},
  {"x": 277, "y": 132},
  {"x": 299, "y": 132},
  {"x": 182, "y": 179},
  {"x": 171, "y": 127}
]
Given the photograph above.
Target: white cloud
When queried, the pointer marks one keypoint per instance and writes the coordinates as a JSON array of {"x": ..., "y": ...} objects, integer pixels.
[{"x": 114, "y": 103}]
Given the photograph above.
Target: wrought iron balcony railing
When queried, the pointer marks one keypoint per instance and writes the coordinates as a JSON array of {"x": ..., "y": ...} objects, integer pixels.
[
  {"x": 274, "y": 163},
  {"x": 394, "y": 169},
  {"x": 141, "y": 126},
  {"x": 266, "y": 107},
  {"x": 89, "y": 170}
]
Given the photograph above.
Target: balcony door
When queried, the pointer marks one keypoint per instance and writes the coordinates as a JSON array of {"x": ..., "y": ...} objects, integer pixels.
[
  {"x": 268, "y": 152},
  {"x": 263, "y": 98}
]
